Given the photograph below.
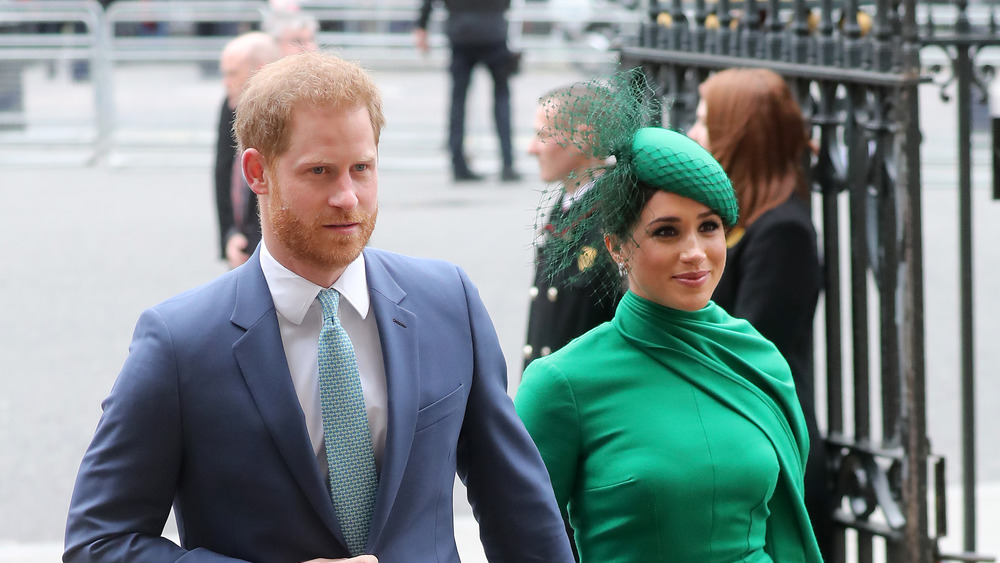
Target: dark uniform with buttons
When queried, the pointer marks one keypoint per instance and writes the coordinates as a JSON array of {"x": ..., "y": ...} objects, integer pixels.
[{"x": 569, "y": 302}]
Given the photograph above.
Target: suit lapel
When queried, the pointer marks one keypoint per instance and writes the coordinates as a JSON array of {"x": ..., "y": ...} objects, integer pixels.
[
  {"x": 261, "y": 358},
  {"x": 397, "y": 329}
]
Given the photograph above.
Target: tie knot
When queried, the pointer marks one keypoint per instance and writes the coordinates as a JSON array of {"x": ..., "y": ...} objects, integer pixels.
[{"x": 330, "y": 299}]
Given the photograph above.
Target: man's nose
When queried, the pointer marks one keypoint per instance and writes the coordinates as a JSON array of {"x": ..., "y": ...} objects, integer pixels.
[{"x": 343, "y": 193}]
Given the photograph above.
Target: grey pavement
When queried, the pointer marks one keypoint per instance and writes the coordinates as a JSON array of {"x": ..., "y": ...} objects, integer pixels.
[{"x": 83, "y": 249}]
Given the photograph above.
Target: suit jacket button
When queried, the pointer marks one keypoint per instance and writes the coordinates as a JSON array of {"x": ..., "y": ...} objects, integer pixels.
[
  {"x": 553, "y": 294},
  {"x": 533, "y": 293},
  {"x": 527, "y": 350},
  {"x": 546, "y": 350}
]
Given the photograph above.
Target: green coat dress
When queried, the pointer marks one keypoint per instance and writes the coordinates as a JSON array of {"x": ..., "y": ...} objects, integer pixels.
[{"x": 672, "y": 436}]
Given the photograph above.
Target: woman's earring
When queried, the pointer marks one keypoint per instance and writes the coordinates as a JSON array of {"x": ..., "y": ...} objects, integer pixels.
[{"x": 623, "y": 269}]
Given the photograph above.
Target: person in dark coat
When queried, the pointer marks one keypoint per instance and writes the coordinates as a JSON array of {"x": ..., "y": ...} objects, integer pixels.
[
  {"x": 225, "y": 152},
  {"x": 752, "y": 124},
  {"x": 565, "y": 302},
  {"x": 477, "y": 33},
  {"x": 236, "y": 204},
  {"x": 295, "y": 32}
]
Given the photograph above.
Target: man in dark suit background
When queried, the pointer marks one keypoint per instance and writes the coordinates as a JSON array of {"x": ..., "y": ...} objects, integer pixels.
[
  {"x": 477, "y": 32},
  {"x": 239, "y": 229},
  {"x": 294, "y": 30},
  {"x": 566, "y": 300},
  {"x": 293, "y": 33},
  {"x": 221, "y": 409}
]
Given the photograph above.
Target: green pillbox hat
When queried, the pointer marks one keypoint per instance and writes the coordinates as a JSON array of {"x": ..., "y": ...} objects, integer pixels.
[{"x": 672, "y": 162}]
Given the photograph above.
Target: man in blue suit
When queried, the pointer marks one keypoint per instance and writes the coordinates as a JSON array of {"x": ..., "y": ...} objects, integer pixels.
[{"x": 220, "y": 410}]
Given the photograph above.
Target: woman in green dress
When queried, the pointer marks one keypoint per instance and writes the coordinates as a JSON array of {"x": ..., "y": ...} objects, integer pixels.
[{"x": 673, "y": 432}]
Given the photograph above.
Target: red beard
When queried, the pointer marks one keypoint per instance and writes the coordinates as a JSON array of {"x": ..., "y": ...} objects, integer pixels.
[{"x": 313, "y": 243}]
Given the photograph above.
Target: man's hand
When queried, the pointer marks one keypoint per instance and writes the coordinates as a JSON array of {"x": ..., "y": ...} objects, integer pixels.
[
  {"x": 420, "y": 40},
  {"x": 358, "y": 559},
  {"x": 236, "y": 248}
]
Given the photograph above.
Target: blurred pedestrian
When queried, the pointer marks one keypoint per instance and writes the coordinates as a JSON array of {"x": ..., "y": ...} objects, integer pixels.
[
  {"x": 566, "y": 302},
  {"x": 750, "y": 121},
  {"x": 477, "y": 33},
  {"x": 295, "y": 31},
  {"x": 235, "y": 203}
]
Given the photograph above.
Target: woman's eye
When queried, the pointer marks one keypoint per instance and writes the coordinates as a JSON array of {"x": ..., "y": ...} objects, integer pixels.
[
  {"x": 710, "y": 226},
  {"x": 665, "y": 232}
]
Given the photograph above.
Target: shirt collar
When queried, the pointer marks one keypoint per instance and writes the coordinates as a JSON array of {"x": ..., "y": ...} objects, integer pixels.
[
  {"x": 570, "y": 198},
  {"x": 293, "y": 295}
]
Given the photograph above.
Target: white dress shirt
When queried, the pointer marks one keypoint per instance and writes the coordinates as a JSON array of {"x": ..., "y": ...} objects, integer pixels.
[
  {"x": 300, "y": 317},
  {"x": 569, "y": 199}
]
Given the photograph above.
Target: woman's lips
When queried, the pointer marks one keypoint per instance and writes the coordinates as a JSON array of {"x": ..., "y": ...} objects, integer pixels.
[{"x": 693, "y": 279}]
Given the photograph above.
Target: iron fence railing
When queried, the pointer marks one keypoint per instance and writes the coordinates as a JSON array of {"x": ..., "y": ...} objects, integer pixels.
[{"x": 856, "y": 68}]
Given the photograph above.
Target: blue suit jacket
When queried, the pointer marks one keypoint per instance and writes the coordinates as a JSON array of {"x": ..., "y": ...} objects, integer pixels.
[{"x": 204, "y": 417}]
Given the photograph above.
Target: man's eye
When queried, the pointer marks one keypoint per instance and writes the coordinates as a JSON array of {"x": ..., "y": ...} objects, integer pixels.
[
  {"x": 318, "y": 169},
  {"x": 360, "y": 167}
]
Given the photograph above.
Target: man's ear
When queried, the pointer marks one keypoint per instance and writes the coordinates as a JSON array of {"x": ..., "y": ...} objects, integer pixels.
[{"x": 254, "y": 172}]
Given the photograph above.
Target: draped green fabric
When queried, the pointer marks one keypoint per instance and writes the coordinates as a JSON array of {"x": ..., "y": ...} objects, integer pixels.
[
  {"x": 672, "y": 436},
  {"x": 728, "y": 359}
]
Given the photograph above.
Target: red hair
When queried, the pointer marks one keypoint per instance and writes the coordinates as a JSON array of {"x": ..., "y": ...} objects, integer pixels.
[{"x": 757, "y": 133}]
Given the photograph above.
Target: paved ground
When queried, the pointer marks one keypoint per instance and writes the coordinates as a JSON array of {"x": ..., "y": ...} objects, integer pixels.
[{"x": 85, "y": 248}]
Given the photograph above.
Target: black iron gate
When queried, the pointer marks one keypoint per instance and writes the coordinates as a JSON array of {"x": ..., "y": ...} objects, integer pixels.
[{"x": 856, "y": 69}]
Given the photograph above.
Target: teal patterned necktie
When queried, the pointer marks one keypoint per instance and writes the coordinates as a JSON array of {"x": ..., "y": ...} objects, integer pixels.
[{"x": 349, "y": 453}]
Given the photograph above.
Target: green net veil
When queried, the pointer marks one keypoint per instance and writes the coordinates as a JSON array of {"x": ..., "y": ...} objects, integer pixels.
[{"x": 608, "y": 118}]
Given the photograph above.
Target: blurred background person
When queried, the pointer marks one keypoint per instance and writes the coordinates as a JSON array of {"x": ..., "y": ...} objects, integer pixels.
[
  {"x": 295, "y": 31},
  {"x": 477, "y": 33},
  {"x": 236, "y": 204},
  {"x": 671, "y": 433},
  {"x": 284, "y": 5},
  {"x": 752, "y": 124},
  {"x": 566, "y": 302}
]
